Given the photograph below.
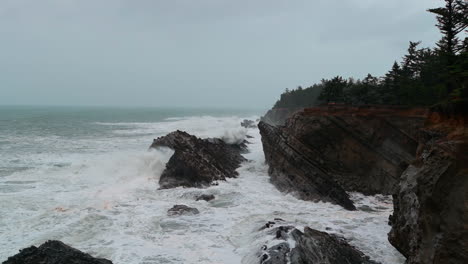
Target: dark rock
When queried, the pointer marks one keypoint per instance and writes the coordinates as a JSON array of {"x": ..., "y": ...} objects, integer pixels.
[
  {"x": 312, "y": 246},
  {"x": 197, "y": 162},
  {"x": 205, "y": 197},
  {"x": 181, "y": 209},
  {"x": 248, "y": 123},
  {"x": 430, "y": 218},
  {"x": 429, "y": 223},
  {"x": 360, "y": 149},
  {"x": 53, "y": 252},
  {"x": 290, "y": 171}
]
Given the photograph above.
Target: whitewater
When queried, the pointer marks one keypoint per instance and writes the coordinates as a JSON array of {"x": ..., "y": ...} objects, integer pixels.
[{"x": 87, "y": 178}]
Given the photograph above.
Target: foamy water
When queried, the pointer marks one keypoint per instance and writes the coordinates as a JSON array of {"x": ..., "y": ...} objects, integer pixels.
[{"x": 104, "y": 200}]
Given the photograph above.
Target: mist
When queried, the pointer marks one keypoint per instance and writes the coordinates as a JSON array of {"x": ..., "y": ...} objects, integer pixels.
[{"x": 205, "y": 53}]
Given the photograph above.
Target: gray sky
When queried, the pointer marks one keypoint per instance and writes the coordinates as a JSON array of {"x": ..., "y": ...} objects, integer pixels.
[{"x": 210, "y": 53}]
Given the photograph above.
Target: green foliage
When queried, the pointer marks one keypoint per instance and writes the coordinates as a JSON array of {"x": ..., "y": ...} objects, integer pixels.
[{"x": 423, "y": 77}]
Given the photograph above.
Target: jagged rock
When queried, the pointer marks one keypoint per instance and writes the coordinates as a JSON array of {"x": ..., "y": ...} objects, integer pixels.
[
  {"x": 180, "y": 209},
  {"x": 205, "y": 197},
  {"x": 290, "y": 171},
  {"x": 312, "y": 246},
  {"x": 53, "y": 252},
  {"x": 430, "y": 219},
  {"x": 248, "y": 123},
  {"x": 197, "y": 162},
  {"x": 361, "y": 149}
]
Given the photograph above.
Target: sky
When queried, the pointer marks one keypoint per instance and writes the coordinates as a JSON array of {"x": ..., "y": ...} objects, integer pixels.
[{"x": 196, "y": 53}]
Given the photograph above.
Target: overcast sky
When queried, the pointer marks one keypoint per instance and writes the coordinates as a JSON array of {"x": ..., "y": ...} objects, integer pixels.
[{"x": 213, "y": 53}]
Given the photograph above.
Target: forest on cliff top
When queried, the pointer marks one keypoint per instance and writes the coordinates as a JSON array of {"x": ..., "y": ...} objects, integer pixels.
[{"x": 424, "y": 76}]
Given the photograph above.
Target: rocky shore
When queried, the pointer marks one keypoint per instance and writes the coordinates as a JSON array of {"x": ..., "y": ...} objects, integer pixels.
[{"x": 419, "y": 156}]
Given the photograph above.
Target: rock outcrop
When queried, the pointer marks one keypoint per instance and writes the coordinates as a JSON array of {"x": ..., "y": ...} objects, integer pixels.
[
  {"x": 197, "y": 162},
  {"x": 205, "y": 197},
  {"x": 361, "y": 149},
  {"x": 291, "y": 171},
  {"x": 430, "y": 219},
  {"x": 310, "y": 246},
  {"x": 53, "y": 252},
  {"x": 181, "y": 209}
]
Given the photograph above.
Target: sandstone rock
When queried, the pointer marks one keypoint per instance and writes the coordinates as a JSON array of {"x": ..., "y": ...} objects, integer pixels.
[
  {"x": 53, "y": 252},
  {"x": 429, "y": 223},
  {"x": 290, "y": 171},
  {"x": 362, "y": 149},
  {"x": 180, "y": 209},
  {"x": 197, "y": 162}
]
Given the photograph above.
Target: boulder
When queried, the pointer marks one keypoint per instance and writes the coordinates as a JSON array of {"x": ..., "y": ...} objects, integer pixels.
[
  {"x": 180, "y": 209},
  {"x": 205, "y": 197},
  {"x": 197, "y": 162},
  {"x": 53, "y": 252},
  {"x": 310, "y": 246}
]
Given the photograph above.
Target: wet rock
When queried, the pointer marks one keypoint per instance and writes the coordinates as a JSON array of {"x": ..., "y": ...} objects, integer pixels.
[
  {"x": 429, "y": 223},
  {"x": 198, "y": 162},
  {"x": 53, "y": 252},
  {"x": 181, "y": 209},
  {"x": 291, "y": 172},
  {"x": 341, "y": 149},
  {"x": 205, "y": 197},
  {"x": 312, "y": 246},
  {"x": 248, "y": 123}
]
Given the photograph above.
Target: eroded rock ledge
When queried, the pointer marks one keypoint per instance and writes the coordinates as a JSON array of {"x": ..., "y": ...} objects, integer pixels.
[
  {"x": 53, "y": 252},
  {"x": 198, "y": 162},
  {"x": 429, "y": 223},
  {"x": 361, "y": 149}
]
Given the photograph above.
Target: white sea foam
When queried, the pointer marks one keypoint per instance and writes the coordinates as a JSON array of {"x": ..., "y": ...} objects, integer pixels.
[{"x": 106, "y": 202}]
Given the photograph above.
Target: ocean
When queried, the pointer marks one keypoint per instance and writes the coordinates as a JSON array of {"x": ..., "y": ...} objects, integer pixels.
[{"x": 85, "y": 176}]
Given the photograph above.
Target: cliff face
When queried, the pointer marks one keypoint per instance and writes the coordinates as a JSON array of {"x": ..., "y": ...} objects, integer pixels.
[
  {"x": 429, "y": 224},
  {"x": 291, "y": 171},
  {"x": 361, "y": 149}
]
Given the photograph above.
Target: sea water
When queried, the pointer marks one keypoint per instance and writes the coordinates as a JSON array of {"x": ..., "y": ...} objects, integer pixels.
[{"x": 85, "y": 176}]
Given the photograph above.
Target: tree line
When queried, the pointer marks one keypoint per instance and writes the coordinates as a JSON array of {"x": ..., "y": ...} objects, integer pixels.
[{"x": 424, "y": 76}]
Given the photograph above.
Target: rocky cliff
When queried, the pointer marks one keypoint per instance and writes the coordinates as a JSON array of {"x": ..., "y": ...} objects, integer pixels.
[
  {"x": 430, "y": 220},
  {"x": 361, "y": 149}
]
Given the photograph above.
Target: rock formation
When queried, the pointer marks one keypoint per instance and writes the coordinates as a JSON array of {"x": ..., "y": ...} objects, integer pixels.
[
  {"x": 181, "y": 209},
  {"x": 53, "y": 252},
  {"x": 291, "y": 171},
  {"x": 312, "y": 246},
  {"x": 362, "y": 149},
  {"x": 197, "y": 162},
  {"x": 205, "y": 197},
  {"x": 430, "y": 219}
]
